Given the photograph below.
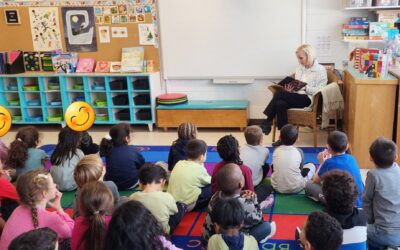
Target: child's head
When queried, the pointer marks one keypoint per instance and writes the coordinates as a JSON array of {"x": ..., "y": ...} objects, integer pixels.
[
  {"x": 340, "y": 191},
  {"x": 27, "y": 137},
  {"x": 253, "y": 135},
  {"x": 196, "y": 150},
  {"x": 228, "y": 149},
  {"x": 42, "y": 238},
  {"x": 120, "y": 134},
  {"x": 383, "y": 152},
  {"x": 227, "y": 214},
  {"x": 68, "y": 143},
  {"x": 230, "y": 179},
  {"x": 151, "y": 173},
  {"x": 321, "y": 232},
  {"x": 86, "y": 139},
  {"x": 89, "y": 168},
  {"x": 289, "y": 135},
  {"x": 133, "y": 226},
  {"x": 337, "y": 142},
  {"x": 187, "y": 131},
  {"x": 34, "y": 187},
  {"x": 95, "y": 201}
]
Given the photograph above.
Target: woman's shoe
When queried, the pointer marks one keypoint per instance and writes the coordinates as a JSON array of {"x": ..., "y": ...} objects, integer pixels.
[{"x": 266, "y": 126}]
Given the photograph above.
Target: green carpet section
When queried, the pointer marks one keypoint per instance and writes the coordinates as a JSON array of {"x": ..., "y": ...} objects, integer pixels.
[
  {"x": 294, "y": 204},
  {"x": 67, "y": 199},
  {"x": 127, "y": 193}
]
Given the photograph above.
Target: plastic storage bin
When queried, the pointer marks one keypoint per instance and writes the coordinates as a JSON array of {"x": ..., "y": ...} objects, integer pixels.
[
  {"x": 53, "y": 86},
  {"x": 101, "y": 117},
  {"x": 33, "y": 102},
  {"x": 119, "y": 84},
  {"x": 16, "y": 118},
  {"x": 55, "y": 103},
  {"x": 141, "y": 100},
  {"x": 55, "y": 118},
  {"x": 98, "y": 86},
  {"x": 34, "y": 118},
  {"x": 100, "y": 102},
  {"x": 13, "y": 102},
  {"x": 141, "y": 84},
  {"x": 12, "y": 87},
  {"x": 143, "y": 114},
  {"x": 77, "y": 86},
  {"x": 123, "y": 115},
  {"x": 120, "y": 100},
  {"x": 31, "y": 88}
]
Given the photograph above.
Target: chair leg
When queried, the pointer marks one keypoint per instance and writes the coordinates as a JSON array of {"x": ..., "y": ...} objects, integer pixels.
[{"x": 273, "y": 130}]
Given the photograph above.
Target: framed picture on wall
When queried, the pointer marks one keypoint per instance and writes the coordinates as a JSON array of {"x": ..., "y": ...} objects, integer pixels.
[{"x": 12, "y": 17}]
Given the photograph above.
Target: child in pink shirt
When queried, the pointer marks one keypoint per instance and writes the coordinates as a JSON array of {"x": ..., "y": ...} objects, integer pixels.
[
  {"x": 36, "y": 189},
  {"x": 95, "y": 203}
]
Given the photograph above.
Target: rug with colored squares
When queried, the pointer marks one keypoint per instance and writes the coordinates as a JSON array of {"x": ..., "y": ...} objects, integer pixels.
[{"x": 288, "y": 211}]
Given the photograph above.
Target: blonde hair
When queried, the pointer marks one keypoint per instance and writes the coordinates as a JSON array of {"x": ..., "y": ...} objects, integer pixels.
[
  {"x": 253, "y": 135},
  {"x": 29, "y": 188},
  {"x": 309, "y": 51},
  {"x": 89, "y": 168}
]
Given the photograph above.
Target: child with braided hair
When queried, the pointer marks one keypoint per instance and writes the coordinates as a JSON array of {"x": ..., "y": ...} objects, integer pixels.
[
  {"x": 36, "y": 189},
  {"x": 95, "y": 203},
  {"x": 178, "y": 150}
]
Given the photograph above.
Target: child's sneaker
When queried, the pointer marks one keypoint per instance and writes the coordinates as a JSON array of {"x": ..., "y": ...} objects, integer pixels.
[
  {"x": 271, "y": 234},
  {"x": 267, "y": 203}
]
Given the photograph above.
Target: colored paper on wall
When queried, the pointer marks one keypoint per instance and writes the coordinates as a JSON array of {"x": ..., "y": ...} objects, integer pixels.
[
  {"x": 146, "y": 34},
  {"x": 104, "y": 34}
]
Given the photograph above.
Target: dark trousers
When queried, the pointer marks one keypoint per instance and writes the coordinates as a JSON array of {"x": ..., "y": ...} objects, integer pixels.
[
  {"x": 204, "y": 197},
  {"x": 263, "y": 190},
  {"x": 176, "y": 218},
  {"x": 281, "y": 102}
]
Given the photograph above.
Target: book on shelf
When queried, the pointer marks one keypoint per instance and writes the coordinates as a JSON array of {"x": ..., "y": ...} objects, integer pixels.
[
  {"x": 85, "y": 65},
  {"x": 378, "y": 30},
  {"x": 132, "y": 59},
  {"x": 290, "y": 81},
  {"x": 102, "y": 67}
]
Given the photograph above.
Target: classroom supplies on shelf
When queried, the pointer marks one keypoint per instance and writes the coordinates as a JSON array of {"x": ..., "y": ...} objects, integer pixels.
[
  {"x": 378, "y": 30},
  {"x": 85, "y": 65},
  {"x": 31, "y": 61},
  {"x": 46, "y": 61},
  {"x": 12, "y": 62},
  {"x": 132, "y": 59},
  {"x": 172, "y": 99},
  {"x": 102, "y": 67},
  {"x": 356, "y": 29},
  {"x": 356, "y": 55},
  {"x": 64, "y": 62}
]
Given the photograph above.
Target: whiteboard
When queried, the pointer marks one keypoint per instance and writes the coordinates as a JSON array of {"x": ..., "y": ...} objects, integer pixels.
[{"x": 208, "y": 39}]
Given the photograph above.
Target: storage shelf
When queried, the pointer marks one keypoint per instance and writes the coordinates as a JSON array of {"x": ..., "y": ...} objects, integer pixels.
[
  {"x": 363, "y": 41},
  {"x": 66, "y": 94},
  {"x": 373, "y": 8}
]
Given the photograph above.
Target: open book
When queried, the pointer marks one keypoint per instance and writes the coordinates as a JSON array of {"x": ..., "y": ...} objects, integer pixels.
[{"x": 297, "y": 85}]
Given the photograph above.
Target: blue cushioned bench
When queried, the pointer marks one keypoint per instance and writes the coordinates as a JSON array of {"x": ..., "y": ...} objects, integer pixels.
[{"x": 205, "y": 114}]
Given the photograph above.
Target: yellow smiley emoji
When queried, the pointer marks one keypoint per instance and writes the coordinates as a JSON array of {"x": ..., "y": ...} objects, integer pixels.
[
  {"x": 5, "y": 121},
  {"x": 79, "y": 116}
]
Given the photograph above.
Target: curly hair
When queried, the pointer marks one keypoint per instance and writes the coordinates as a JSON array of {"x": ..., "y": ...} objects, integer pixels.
[
  {"x": 95, "y": 201},
  {"x": 134, "y": 227},
  {"x": 27, "y": 137},
  {"x": 340, "y": 191},
  {"x": 323, "y": 231},
  {"x": 30, "y": 186},
  {"x": 228, "y": 149}
]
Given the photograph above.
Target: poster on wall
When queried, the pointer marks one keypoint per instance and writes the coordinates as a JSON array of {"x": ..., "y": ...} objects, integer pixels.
[
  {"x": 45, "y": 28},
  {"x": 79, "y": 29},
  {"x": 146, "y": 34},
  {"x": 104, "y": 34}
]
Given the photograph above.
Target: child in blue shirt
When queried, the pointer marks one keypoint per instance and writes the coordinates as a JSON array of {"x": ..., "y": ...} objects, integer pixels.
[
  {"x": 335, "y": 158},
  {"x": 122, "y": 160}
]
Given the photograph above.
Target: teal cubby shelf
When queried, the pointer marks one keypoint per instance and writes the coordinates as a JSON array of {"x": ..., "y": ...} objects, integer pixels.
[{"x": 42, "y": 98}]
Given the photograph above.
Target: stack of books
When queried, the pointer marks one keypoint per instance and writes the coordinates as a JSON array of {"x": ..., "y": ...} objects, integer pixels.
[{"x": 356, "y": 29}]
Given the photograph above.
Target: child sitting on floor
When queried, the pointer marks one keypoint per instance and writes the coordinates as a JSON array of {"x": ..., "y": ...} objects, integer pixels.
[
  {"x": 231, "y": 182},
  {"x": 381, "y": 197},
  {"x": 87, "y": 145},
  {"x": 178, "y": 150},
  {"x": 340, "y": 194},
  {"x": 321, "y": 232},
  {"x": 335, "y": 158},
  {"x": 289, "y": 174},
  {"x": 254, "y": 155},
  {"x": 189, "y": 182},
  {"x": 161, "y": 204},
  {"x": 41, "y": 238},
  {"x": 91, "y": 168},
  {"x": 228, "y": 216}
]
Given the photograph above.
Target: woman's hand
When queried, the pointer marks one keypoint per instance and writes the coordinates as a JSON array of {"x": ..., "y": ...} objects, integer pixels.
[{"x": 289, "y": 87}]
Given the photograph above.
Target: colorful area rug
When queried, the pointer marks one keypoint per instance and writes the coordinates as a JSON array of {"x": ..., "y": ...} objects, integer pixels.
[{"x": 288, "y": 211}]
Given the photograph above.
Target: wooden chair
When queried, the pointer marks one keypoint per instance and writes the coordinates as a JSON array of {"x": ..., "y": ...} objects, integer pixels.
[{"x": 305, "y": 118}]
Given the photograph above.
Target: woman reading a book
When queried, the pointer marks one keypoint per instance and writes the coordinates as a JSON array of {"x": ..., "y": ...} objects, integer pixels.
[{"x": 310, "y": 72}]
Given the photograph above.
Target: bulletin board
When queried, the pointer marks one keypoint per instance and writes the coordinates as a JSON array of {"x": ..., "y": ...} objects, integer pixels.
[
  {"x": 230, "y": 38},
  {"x": 19, "y": 37}
]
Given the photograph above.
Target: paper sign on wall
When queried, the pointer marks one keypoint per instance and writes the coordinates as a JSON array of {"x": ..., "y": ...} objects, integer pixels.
[
  {"x": 146, "y": 34},
  {"x": 45, "y": 28},
  {"x": 104, "y": 34}
]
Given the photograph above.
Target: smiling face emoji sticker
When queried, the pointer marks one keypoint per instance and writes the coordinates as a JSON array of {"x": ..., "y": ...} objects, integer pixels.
[
  {"x": 5, "y": 121},
  {"x": 79, "y": 116}
]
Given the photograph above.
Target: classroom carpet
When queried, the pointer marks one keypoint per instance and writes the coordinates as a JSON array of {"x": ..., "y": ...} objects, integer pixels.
[{"x": 288, "y": 211}]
